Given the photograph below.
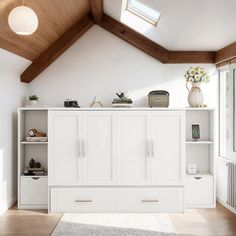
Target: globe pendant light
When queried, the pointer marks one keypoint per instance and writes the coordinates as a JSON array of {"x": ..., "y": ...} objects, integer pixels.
[{"x": 23, "y": 20}]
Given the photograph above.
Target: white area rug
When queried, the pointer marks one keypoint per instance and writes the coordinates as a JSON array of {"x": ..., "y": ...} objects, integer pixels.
[{"x": 115, "y": 224}]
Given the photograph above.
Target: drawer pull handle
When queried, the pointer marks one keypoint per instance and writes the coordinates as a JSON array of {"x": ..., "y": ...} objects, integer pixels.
[
  {"x": 35, "y": 178},
  {"x": 197, "y": 178},
  {"x": 83, "y": 200},
  {"x": 150, "y": 200}
]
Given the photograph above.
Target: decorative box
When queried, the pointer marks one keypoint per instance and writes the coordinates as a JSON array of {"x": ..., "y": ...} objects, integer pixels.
[{"x": 158, "y": 98}]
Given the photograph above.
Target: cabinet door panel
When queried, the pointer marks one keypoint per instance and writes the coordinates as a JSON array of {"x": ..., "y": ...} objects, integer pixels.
[
  {"x": 166, "y": 147},
  {"x": 98, "y": 141},
  {"x": 132, "y": 139},
  {"x": 63, "y": 138}
]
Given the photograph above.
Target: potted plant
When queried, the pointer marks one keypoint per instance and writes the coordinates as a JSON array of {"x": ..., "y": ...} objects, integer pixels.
[
  {"x": 34, "y": 100},
  {"x": 196, "y": 75}
]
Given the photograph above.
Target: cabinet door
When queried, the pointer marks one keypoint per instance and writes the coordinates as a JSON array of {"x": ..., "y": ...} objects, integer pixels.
[
  {"x": 63, "y": 147},
  {"x": 131, "y": 148},
  {"x": 165, "y": 164},
  {"x": 97, "y": 146}
]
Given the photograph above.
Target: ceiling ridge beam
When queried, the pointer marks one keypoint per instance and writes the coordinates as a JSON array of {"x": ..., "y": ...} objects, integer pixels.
[
  {"x": 57, "y": 48},
  {"x": 96, "y": 7},
  {"x": 134, "y": 38}
]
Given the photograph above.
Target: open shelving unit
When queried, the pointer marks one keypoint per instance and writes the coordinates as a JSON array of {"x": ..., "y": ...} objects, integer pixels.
[
  {"x": 32, "y": 190},
  {"x": 200, "y": 188}
]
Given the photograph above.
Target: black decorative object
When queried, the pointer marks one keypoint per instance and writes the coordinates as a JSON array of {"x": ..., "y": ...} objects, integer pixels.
[
  {"x": 71, "y": 103},
  {"x": 37, "y": 165},
  {"x": 32, "y": 163},
  {"x": 195, "y": 132}
]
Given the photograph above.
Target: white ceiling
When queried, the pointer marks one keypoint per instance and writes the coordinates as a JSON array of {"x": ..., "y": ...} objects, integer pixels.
[{"x": 185, "y": 24}]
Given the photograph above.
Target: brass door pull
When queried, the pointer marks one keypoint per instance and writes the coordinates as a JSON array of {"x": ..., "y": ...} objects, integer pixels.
[
  {"x": 83, "y": 200},
  {"x": 150, "y": 200}
]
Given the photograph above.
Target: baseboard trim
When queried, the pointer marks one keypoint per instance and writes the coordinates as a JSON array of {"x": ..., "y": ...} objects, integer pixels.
[
  {"x": 32, "y": 207},
  {"x": 226, "y": 205},
  {"x": 9, "y": 205}
]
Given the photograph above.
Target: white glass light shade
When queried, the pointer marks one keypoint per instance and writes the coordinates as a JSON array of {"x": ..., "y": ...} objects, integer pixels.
[{"x": 23, "y": 20}]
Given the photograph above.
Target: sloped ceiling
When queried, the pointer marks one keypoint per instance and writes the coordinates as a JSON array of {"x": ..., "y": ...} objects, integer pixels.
[
  {"x": 55, "y": 17},
  {"x": 187, "y": 25},
  {"x": 199, "y": 25}
]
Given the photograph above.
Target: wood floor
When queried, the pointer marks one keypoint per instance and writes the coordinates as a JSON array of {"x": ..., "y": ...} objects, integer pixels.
[{"x": 201, "y": 222}]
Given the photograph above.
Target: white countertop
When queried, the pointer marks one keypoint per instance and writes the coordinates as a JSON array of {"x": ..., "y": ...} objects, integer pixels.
[{"x": 116, "y": 109}]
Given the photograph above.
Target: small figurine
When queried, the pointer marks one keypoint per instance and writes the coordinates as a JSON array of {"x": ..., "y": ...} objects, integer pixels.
[
  {"x": 96, "y": 103},
  {"x": 34, "y": 164},
  {"x": 36, "y": 133}
]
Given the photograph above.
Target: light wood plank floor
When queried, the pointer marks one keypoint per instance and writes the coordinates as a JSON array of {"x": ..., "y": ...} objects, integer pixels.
[{"x": 201, "y": 222}]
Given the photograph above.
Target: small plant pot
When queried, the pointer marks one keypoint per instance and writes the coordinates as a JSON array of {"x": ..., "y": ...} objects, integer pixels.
[{"x": 33, "y": 102}]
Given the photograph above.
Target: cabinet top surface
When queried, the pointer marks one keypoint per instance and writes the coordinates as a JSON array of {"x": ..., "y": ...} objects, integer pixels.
[{"x": 115, "y": 109}]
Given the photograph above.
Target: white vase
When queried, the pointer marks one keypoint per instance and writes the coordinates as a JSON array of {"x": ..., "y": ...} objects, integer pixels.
[
  {"x": 195, "y": 96},
  {"x": 33, "y": 102}
]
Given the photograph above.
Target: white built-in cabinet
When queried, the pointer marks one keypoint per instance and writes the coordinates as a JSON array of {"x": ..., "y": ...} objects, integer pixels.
[
  {"x": 137, "y": 155},
  {"x": 143, "y": 146},
  {"x": 200, "y": 188},
  {"x": 117, "y": 160},
  {"x": 127, "y": 147},
  {"x": 81, "y": 147}
]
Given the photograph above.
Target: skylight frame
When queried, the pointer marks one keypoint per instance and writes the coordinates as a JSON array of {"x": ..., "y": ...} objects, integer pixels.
[{"x": 134, "y": 7}]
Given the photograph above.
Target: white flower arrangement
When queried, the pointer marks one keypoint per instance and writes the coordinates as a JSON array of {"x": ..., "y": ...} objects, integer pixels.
[{"x": 196, "y": 74}]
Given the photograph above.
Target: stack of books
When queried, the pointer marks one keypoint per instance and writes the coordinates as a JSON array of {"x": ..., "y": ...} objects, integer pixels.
[
  {"x": 35, "y": 171},
  {"x": 36, "y": 139},
  {"x": 122, "y": 102}
]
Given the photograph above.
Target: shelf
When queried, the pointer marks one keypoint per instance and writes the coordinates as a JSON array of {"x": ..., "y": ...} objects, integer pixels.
[
  {"x": 204, "y": 174},
  {"x": 199, "y": 109},
  {"x": 34, "y": 176},
  {"x": 32, "y": 143},
  {"x": 199, "y": 142}
]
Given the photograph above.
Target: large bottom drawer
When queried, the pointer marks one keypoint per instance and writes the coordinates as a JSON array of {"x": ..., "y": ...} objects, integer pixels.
[
  {"x": 117, "y": 200},
  {"x": 82, "y": 200},
  {"x": 151, "y": 200}
]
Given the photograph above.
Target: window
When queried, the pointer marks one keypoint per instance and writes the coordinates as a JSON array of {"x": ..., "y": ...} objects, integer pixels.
[
  {"x": 224, "y": 113},
  {"x": 227, "y": 115},
  {"x": 142, "y": 11}
]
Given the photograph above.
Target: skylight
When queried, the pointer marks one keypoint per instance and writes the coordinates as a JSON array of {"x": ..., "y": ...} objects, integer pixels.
[{"x": 142, "y": 11}]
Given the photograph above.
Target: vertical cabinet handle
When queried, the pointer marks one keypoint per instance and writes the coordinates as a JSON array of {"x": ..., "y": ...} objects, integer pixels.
[
  {"x": 79, "y": 148},
  {"x": 152, "y": 148},
  {"x": 147, "y": 148},
  {"x": 83, "y": 148}
]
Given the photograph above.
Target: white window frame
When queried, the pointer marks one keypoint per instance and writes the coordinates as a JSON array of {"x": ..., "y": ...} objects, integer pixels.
[
  {"x": 232, "y": 109},
  {"x": 141, "y": 13}
]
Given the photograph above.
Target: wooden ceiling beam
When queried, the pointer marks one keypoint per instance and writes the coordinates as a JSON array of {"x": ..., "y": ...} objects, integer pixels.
[
  {"x": 178, "y": 57},
  {"x": 226, "y": 53},
  {"x": 134, "y": 38},
  {"x": 57, "y": 48},
  {"x": 96, "y": 7}
]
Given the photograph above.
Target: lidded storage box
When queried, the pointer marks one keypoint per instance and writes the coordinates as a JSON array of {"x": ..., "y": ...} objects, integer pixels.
[{"x": 158, "y": 98}]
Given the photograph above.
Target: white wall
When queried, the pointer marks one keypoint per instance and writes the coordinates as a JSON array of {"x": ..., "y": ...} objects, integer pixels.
[
  {"x": 101, "y": 64},
  {"x": 12, "y": 94}
]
